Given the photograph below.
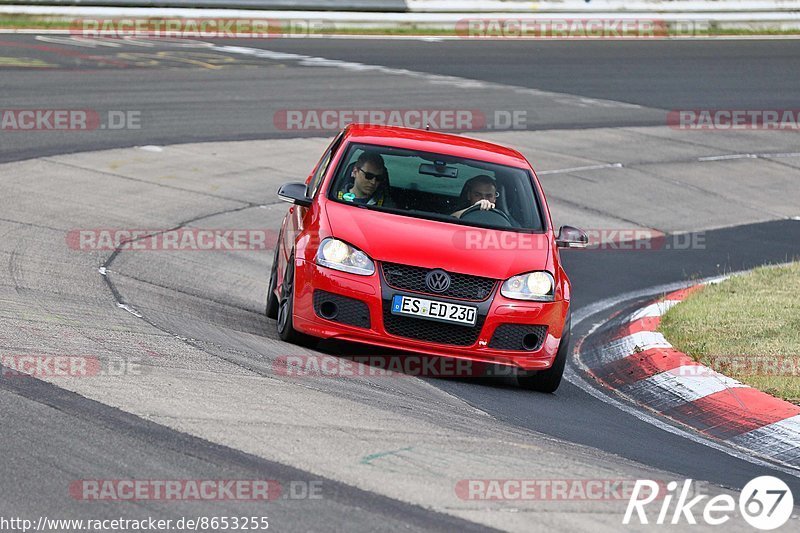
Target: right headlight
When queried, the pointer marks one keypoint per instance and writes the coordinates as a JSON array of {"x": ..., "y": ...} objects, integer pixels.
[
  {"x": 538, "y": 286},
  {"x": 339, "y": 255}
]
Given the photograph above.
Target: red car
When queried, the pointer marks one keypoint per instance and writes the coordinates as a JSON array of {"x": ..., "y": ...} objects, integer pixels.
[{"x": 426, "y": 242}]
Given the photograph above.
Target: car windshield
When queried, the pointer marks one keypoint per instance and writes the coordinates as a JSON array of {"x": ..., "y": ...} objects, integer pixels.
[{"x": 437, "y": 186}]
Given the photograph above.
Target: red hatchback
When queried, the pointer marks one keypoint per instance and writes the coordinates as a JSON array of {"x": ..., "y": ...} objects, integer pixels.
[{"x": 426, "y": 242}]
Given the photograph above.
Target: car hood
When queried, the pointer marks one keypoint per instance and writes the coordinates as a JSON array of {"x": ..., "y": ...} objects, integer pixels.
[{"x": 433, "y": 244}]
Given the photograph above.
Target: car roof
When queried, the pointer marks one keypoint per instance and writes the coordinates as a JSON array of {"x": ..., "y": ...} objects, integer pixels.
[{"x": 436, "y": 142}]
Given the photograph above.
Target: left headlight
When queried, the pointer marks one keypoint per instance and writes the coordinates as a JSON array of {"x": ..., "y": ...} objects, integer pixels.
[
  {"x": 538, "y": 286},
  {"x": 339, "y": 255}
]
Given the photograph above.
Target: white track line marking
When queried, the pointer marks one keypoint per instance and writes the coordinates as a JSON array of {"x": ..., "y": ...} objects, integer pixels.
[
  {"x": 653, "y": 310},
  {"x": 637, "y": 342},
  {"x": 779, "y": 155},
  {"x": 678, "y": 387},
  {"x": 578, "y": 169},
  {"x": 462, "y": 83},
  {"x": 726, "y": 157},
  {"x": 129, "y": 309},
  {"x": 782, "y": 437},
  {"x": 93, "y": 42},
  {"x": 73, "y": 41}
]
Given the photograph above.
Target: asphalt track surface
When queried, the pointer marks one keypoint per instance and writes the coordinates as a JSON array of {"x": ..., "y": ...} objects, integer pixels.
[
  {"x": 189, "y": 94},
  {"x": 184, "y": 102},
  {"x": 659, "y": 74},
  {"x": 572, "y": 416}
]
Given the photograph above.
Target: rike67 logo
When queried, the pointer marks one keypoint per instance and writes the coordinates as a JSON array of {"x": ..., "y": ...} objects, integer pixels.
[{"x": 765, "y": 503}]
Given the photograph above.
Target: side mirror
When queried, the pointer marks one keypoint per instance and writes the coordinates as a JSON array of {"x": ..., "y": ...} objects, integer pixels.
[
  {"x": 294, "y": 193},
  {"x": 569, "y": 237}
]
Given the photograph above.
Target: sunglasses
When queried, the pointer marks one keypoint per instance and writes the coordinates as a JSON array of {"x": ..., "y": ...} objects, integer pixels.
[{"x": 370, "y": 176}]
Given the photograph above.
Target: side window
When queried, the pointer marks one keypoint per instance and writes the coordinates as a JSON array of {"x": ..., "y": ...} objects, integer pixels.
[{"x": 316, "y": 180}]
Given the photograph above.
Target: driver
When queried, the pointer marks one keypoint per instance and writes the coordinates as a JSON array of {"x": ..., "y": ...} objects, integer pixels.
[
  {"x": 368, "y": 183},
  {"x": 480, "y": 190}
]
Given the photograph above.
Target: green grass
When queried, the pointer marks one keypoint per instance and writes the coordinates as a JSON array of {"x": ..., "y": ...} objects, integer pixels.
[
  {"x": 21, "y": 21},
  {"x": 32, "y": 22},
  {"x": 747, "y": 327}
]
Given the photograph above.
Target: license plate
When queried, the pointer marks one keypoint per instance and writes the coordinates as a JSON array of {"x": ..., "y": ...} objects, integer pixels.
[{"x": 432, "y": 310}]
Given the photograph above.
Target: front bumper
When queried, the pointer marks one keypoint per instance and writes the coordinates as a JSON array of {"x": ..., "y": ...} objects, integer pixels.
[{"x": 375, "y": 293}]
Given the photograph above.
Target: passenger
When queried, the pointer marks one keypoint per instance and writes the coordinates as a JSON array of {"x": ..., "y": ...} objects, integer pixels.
[
  {"x": 368, "y": 182},
  {"x": 480, "y": 190}
]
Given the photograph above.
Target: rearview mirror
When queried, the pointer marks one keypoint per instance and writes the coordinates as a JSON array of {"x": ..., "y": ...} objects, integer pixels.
[
  {"x": 569, "y": 237},
  {"x": 294, "y": 193},
  {"x": 438, "y": 169}
]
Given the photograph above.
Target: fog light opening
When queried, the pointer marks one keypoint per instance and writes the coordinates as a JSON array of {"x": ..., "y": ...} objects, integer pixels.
[
  {"x": 530, "y": 341},
  {"x": 328, "y": 310}
]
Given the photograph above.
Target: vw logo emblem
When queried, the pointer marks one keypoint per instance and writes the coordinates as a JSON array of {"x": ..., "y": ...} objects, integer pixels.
[{"x": 437, "y": 280}]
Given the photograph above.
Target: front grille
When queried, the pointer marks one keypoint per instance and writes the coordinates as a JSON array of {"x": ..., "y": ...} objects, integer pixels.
[
  {"x": 348, "y": 310},
  {"x": 462, "y": 286},
  {"x": 513, "y": 337},
  {"x": 429, "y": 330}
]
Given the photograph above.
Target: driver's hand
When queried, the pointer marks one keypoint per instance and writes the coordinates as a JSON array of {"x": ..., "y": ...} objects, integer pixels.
[{"x": 485, "y": 205}]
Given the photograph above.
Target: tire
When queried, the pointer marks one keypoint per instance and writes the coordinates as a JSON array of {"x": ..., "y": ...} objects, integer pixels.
[
  {"x": 548, "y": 380},
  {"x": 285, "y": 323},
  {"x": 272, "y": 300}
]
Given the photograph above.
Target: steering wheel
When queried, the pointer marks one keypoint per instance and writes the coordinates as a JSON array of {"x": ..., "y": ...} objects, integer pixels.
[{"x": 493, "y": 217}]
